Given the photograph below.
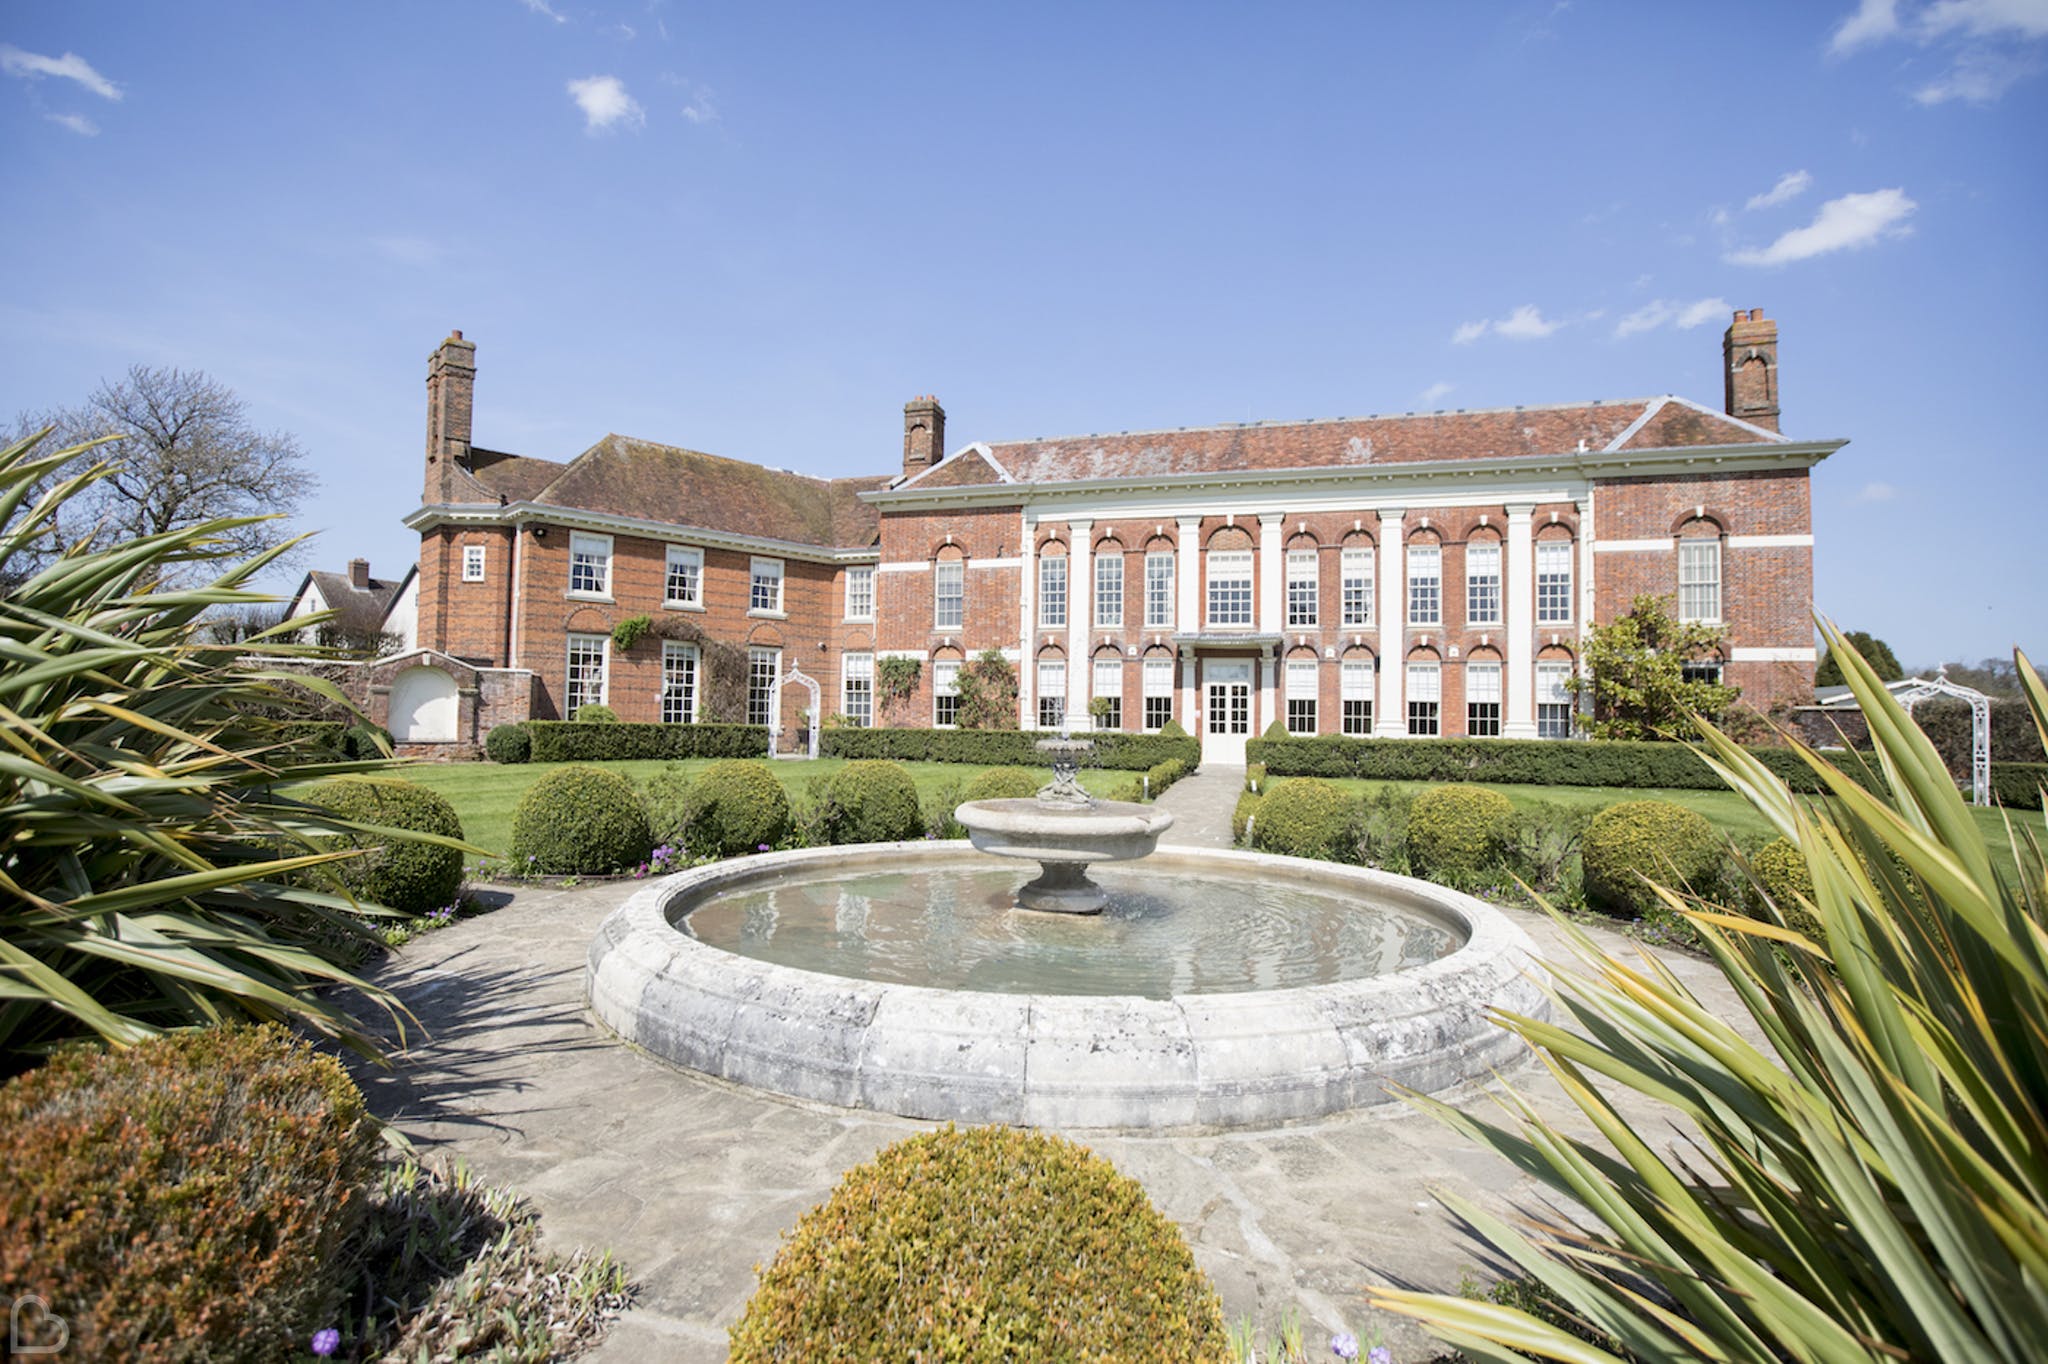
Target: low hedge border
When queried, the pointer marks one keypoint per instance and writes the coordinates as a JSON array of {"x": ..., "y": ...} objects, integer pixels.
[
  {"x": 2017, "y": 786},
  {"x": 1004, "y": 747},
  {"x": 571, "y": 741}
]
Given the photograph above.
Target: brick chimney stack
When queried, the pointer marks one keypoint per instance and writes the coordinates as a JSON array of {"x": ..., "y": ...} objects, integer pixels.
[
  {"x": 1750, "y": 353},
  {"x": 359, "y": 574},
  {"x": 451, "y": 394},
  {"x": 924, "y": 435}
]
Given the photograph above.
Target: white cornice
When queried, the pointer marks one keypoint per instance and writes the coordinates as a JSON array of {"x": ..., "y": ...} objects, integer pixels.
[{"x": 525, "y": 513}]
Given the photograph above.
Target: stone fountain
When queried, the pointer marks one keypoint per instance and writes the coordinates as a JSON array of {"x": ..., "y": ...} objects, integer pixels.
[{"x": 1063, "y": 829}]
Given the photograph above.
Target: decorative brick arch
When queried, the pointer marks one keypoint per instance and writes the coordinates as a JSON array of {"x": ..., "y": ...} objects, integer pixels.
[
  {"x": 1699, "y": 514},
  {"x": 1230, "y": 537}
]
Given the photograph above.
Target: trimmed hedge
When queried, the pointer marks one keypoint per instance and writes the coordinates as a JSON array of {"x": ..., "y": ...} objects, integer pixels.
[
  {"x": 579, "y": 821},
  {"x": 868, "y": 801},
  {"x": 1669, "y": 844},
  {"x": 509, "y": 744},
  {"x": 1244, "y": 816},
  {"x": 412, "y": 878},
  {"x": 1003, "y": 747},
  {"x": 1456, "y": 832},
  {"x": 1529, "y": 762},
  {"x": 735, "y": 807},
  {"x": 993, "y": 1244},
  {"x": 566, "y": 741},
  {"x": 2017, "y": 786},
  {"x": 1306, "y": 818},
  {"x": 189, "y": 1197}
]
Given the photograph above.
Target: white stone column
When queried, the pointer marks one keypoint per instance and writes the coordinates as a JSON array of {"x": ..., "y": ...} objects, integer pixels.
[
  {"x": 1027, "y": 624},
  {"x": 1080, "y": 620},
  {"x": 1391, "y": 720},
  {"x": 1272, "y": 576},
  {"x": 1269, "y": 669},
  {"x": 1188, "y": 693},
  {"x": 1584, "y": 555},
  {"x": 1518, "y": 599},
  {"x": 1187, "y": 580}
]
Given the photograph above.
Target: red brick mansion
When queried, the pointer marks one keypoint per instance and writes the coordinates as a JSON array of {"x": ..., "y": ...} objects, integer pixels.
[{"x": 1421, "y": 574}]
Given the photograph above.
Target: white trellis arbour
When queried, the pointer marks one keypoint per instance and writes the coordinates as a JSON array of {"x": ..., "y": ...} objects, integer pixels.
[
  {"x": 1913, "y": 690},
  {"x": 797, "y": 676}
]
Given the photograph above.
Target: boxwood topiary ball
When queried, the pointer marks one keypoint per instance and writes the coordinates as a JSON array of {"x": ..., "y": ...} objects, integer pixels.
[
  {"x": 412, "y": 878},
  {"x": 1667, "y": 843},
  {"x": 1002, "y": 783},
  {"x": 579, "y": 821},
  {"x": 509, "y": 744},
  {"x": 871, "y": 801},
  {"x": 1457, "y": 832},
  {"x": 734, "y": 808},
  {"x": 1305, "y": 817}
]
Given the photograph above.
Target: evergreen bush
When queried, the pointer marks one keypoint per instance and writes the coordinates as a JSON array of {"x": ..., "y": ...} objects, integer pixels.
[
  {"x": 1002, "y": 783},
  {"x": 595, "y": 714},
  {"x": 556, "y": 741},
  {"x": 1782, "y": 874},
  {"x": 412, "y": 878},
  {"x": 1244, "y": 816},
  {"x": 1666, "y": 843},
  {"x": 511, "y": 743},
  {"x": 992, "y": 1244},
  {"x": 1163, "y": 775},
  {"x": 938, "y": 810},
  {"x": 1458, "y": 833},
  {"x": 735, "y": 807},
  {"x": 579, "y": 821},
  {"x": 868, "y": 802},
  {"x": 1306, "y": 817},
  {"x": 189, "y": 1197},
  {"x": 1172, "y": 730},
  {"x": 2017, "y": 786},
  {"x": 1114, "y": 749},
  {"x": 365, "y": 742}
]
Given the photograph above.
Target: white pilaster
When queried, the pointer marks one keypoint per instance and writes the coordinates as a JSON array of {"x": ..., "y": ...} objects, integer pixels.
[
  {"x": 1080, "y": 618},
  {"x": 1190, "y": 721},
  {"x": 1187, "y": 580},
  {"x": 1027, "y": 624},
  {"x": 1272, "y": 576},
  {"x": 1391, "y": 718},
  {"x": 1519, "y": 601},
  {"x": 1585, "y": 567}
]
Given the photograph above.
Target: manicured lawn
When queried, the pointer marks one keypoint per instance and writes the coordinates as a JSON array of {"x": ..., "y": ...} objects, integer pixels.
[{"x": 486, "y": 794}]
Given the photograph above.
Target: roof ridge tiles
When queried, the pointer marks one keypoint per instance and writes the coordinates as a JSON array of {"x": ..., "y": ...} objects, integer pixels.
[{"x": 1329, "y": 421}]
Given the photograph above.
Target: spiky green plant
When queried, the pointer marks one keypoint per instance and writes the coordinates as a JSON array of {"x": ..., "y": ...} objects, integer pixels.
[
  {"x": 1869, "y": 1183},
  {"x": 151, "y": 875}
]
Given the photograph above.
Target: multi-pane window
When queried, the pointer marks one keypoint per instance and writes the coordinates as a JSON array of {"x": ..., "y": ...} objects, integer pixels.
[
  {"x": 764, "y": 666},
  {"x": 1355, "y": 695},
  {"x": 590, "y": 564},
  {"x": 586, "y": 671},
  {"x": 1356, "y": 570},
  {"x": 1553, "y": 701},
  {"x": 472, "y": 563},
  {"x": 1301, "y": 587},
  {"x": 1482, "y": 700},
  {"x": 1230, "y": 587},
  {"x": 860, "y": 592},
  {"x": 949, "y": 594},
  {"x": 1158, "y": 684},
  {"x": 765, "y": 594},
  {"x": 1425, "y": 694},
  {"x": 1701, "y": 670},
  {"x": 1425, "y": 584},
  {"x": 1109, "y": 689},
  {"x": 1553, "y": 581},
  {"x": 1159, "y": 590},
  {"x": 678, "y": 683},
  {"x": 857, "y": 689},
  {"x": 1052, "y": 591},
  {"x": 1699, "y": 580},
  {"x": 1482, "y": 582},
  {"x": 1052, "y": 693},
  {"x": 685, "y": 578},
  {"x": 1109, "y": 590},
  {"x": 1301, "y": 696},
  {"x": 946, "y": 692}
]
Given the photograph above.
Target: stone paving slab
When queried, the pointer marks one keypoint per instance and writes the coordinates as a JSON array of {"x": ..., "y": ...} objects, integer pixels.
[{"x": 691, "y": 1181}]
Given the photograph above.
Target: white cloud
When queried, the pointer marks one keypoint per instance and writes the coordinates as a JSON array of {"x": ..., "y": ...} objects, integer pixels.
[
  {"x": 1987, "y": 18},
  {"x": 1525, "y": 324},
  {"x": 605, "y": 104},
  {"x": 1978, "y": 75},
  {"x": 700, "y": 109},
  {"x": 1468, "y": 333},
  {"x": 1659, "y": 311},
  {"x": 1700, "y": 313},
  {"x": 1790, "y": 185},
  {"x": 77, "y": 123},
  {"x": 1982, "y": 39},
  {"x": 72, "y": 67},
  {"x": 1649, "y": 317},
  {"x": 1873, "y": 21},
  {"x": 1435, "y": 392},
  {"x": 542, "y": 8},
  {"x": 1876, "y": 492},
  {"x": 1848, "y": 223}
]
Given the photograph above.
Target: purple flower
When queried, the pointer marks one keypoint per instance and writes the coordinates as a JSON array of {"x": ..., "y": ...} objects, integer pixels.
[
  {"x": 1379, "y": 1354},
  {"x": 763, "y": 847},
  {"x": 326, "y": 1342},
  {"x": 1344, "y": 1345}
]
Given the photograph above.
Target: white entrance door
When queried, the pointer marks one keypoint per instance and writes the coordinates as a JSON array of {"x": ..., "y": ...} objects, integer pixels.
[{"x": 1227, "y": 716}]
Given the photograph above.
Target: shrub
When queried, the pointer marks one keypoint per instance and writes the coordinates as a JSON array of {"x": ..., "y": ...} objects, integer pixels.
[
  {"x": 412, "y": 878},
  {"x": 1163, "y": 775},
  {"x": 1455, "y": 833},
  {"x": 661, "y": 799},
  {"x": 2017, "y": 786},
  {"x": 1276, "y": 730},
  {"x": 1254, "y": 776},
  {"x": 1378, "y": 835},
  {"x": 1782, "y": 874},
  {"x": 1244, "y": 817},
  {"x": 1306, "y": 817},
  {"x": 365, "y": 742},
  {"x": 1002, "y": 783},
  {"x": 187, "y": 1198},
  {"x": 1172, "y": 730},
  {"x": 939, "y": 806},
  {"x": 595, "y": 714},
  {"x": 734, "y": 808},
  {"x": 557, "y": 741},
  {"x": 509, "y": 744},
  {"x": 1647, "y": 838},
  {"x": 579, "y": 821},
  {"x": 984, "y": 1245},
  {"x": 1543, "y": 848},
  {"x": 868, "y": 802},
  {"x": 1114, "y": 749}
]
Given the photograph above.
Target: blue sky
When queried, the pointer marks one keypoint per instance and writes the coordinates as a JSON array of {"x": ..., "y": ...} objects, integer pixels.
[{"x": 758, "y": 229}]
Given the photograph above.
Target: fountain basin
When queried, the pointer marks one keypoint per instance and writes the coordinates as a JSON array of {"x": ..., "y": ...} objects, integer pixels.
[
  {"x": 1063, "y": 840},
  {"x": 1242, "y": 1058}
]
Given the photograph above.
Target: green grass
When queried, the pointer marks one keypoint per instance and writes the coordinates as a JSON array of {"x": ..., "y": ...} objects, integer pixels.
[{"x": 486, "y": 794}]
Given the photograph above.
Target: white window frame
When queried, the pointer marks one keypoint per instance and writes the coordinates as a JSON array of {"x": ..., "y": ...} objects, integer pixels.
[
  {"x": 1156, "y": 684},
  {"x": 1304, "y": 589},
  {"x": 1109, "y": 590},
  {"x": 763, "y": 571},
  {"x": 1483, "y": 582},
  {"x": 1052, "y": 592},
  {"x": 1052, "y": 693},
  {"x": 473, "y": 559},
  {"x": 1355, "y": 586},
  {"x": 1425, "y": 688},
  {"x": 576, "y": 689},
  {"x": 1554, "y": 582},
  {"x": 1712, "y": 670},
  {"x": 1159, "y": 590},
  {"x": 1553, "y": 699},
  {"x": 949, "y": 594},
  {"x": 1483, "y": 688},
  {"x": 1426, "y": 584},
  {"x": 1106, "y": 679},
  {"x": 860, "y": 592},
  {"x": 1355, "y": 684},
  {"x": 945, "y": 686},
  {"x": 593, "y": 552},
  {"x": 674, "y": 653},
  {"x": 1230, "y": 587},
  {"x": 685, "y": 562},
  {"x": 1303, "y": 690},
  {"x": 772, "y": 700},
  {"x": 857, "y": 689},
  {"x": 1699, "y": 579}
]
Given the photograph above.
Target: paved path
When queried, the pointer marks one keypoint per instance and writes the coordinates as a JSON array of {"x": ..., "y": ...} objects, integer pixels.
[
  {"x": 1202, "y": 805},
  {"x": 692, "y": 1181}
]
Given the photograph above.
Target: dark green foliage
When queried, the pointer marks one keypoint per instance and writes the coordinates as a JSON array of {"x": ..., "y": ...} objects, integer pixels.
[
  {"x": 1306, "y": 817},
  {"x": 631, "y": 631},
  {"x": 1378, "y": 835},
  {"x": 1276, "y": 730},
  {"x": 1164, "y": 774},
  {"x": 993, "y": 1244},
  {"x": 365, "y": 742},
  {"x": 1668, "y": 843},
  {"x": 1456, "y": 833},
  {"x": 1172, "y": 730},
  {"x": 187, "y": 1198},
  {"x": 1002, "y": 783},
  {"x": 1255, "y": 776},
  {"x": 938, "y": 808},
  {"x": 895, "y": 681},
  {"x": 736, "y": 807},
  {"x": 867, "y": 802},
  {"x": 579, "y": 821},
  {"x": 1875, "y": 652},
  {"x": 509, "y": 744},
  {"x": 1946, "y": 724},
  {"x": 1543, "y": 848},
  {"x": 988, "y": 692},
  {"x": 1244, "y": 817},
  {"x": 2017, "y": 786},
  {"x": 1784, "y": 876},
  {"x": 1635, "y": 672},
  {"x": 1003, "y": 747},
  {"x": 661, "y": 799},
  {"x": 563, "y": 741},
  {"x": 594, "y": 714},
  {"x": 412, "y": 878}
]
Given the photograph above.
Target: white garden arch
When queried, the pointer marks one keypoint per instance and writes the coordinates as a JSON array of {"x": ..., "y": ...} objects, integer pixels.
[
  {"x": 797, "y": 676},
  {"x": 1913, "y": 690}
]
